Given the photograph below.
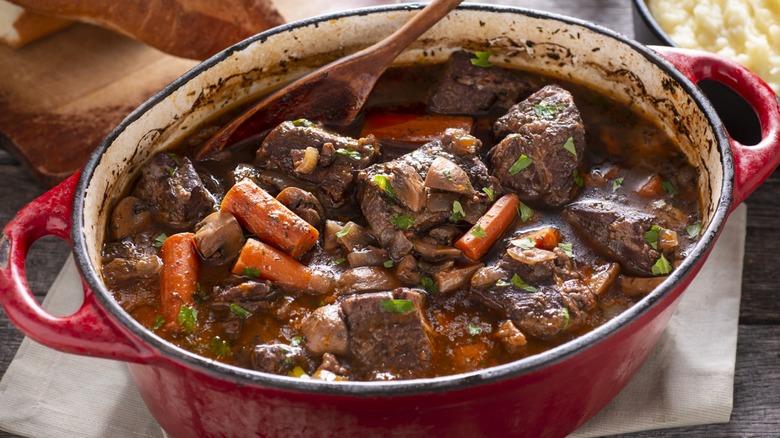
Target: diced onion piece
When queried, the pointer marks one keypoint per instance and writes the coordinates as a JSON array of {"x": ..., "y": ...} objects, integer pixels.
[{"x": 309, "y": 162}]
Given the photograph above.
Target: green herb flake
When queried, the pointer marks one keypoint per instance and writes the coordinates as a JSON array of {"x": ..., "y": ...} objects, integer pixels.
[
  {"x": 339, "y": 261},
  {"x": 652, "y": 235},
  {"x": 252, "y": 272},
  {"x": 158, "y": 323},
  {"x": 566, "y": 318},
  {"x": 502, "y": 283},
  {"x": 525, "y": 212},
  {"x": 567, "y": 248},
  {"x": 383, "y": 182},
  {"x": 668, "y": 188},
  {"x": 479, "y": 232},
  {"x": 521, "y": 163},
  {"x": 474, "y": 329},
  {"x": 429, "y": 285},
  {"x": 547, "y": 110},
  {"x": 187, "y": 318},
  {"x": 349, "y": 153},
  {"x": 303, "y": 123},
  {"x": 662, "y": 266},
  {"x": 524, "y": 243},
  {"x": 490, "y": 193},
  {"x": 519, "y": 283},
  {"x": 388, "y": 264},
  {"x": 159, "y": 240},
  {"x": 171, "y": 171},
  {"x": 482, "y": 59},
  {"x": 220, "y": 347},
  {"x": 403, "y": 221},
  {"x": 569, "y": 146},
  {"x": 296, "y": 341},
  {"x": 447, "y": 174},
  {"x": 616, "y": 183},
  {"x": 693, "y": 230},
  {"x": 397, "y": 306},
  {"x": 239, "y": 311},
  {"x": 457, "y": 212},
  {"x": 577, "y": 178},
  {"x": 343, "y": 231}
]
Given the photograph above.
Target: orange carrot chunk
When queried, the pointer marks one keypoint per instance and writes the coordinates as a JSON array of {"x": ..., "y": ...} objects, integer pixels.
[
  {"x": 412, "y": 128},
  {"x": 264, "y": 261},
  {"x": 269, "y": 219},
  {"x": 478, "y": 240},
  {"x": 179, "y": 281}
]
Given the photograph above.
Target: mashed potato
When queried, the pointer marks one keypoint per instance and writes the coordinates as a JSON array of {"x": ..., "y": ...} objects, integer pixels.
[{"x": 747, "y": 31}]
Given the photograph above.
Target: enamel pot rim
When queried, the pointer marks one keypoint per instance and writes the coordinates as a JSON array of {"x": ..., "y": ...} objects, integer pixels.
[{"x": 169, "y": 352}]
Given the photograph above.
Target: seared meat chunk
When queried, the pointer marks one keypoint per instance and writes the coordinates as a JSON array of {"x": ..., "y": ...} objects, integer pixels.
[
  {"x": 388, "y": 333},
  {"x": 616, "y": 232},
  {"x": 468, "y": 89},
  {"x": 324, "y": 331},
  {"x": 543, "y": 143},
  {"x": 532, "y": 264},
  {"x": 131, "y": 259},
  {"x": 337, "y": 157},
  {"x": 245, "y": 291},
  {"x": 396, "y": 200},
  {"x": 174, "y": 192},
  {"x": 278, "y": 358}
]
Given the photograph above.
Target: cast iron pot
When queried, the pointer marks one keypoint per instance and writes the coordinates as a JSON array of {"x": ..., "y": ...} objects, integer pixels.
[{"x": 549, "y": 394}]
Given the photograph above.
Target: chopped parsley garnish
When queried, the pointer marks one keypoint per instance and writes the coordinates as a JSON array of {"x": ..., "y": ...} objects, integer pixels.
[
  {"x": 662, "y": 266},
  {"x": 384, "y": 184},
  {"x": 669, "y": 188},
  {"x": 525, "y": 212},
  {"x": 474, "y": 329},
  {"x": 652, "y": 235},
  {"x": 524, "y": 243},
  {"x": 158, "y": 323},
  {"x": 566, "y": 318},
  {"x": 577, "y": 178},
  {"x": 403, "y": 221},
  {"x": 429, "y": 285},
  {"x": 397, "y": 306},
  {"x": 170, "y": 170},
  {"x": 693, "y": 230},
  {"x": 447, "y": 174},
  {"x": 479, "y": 232},
  {"x": 187, "y": 318},
  {"x": 296, "y": 341},
  {"x": 388, "y": 264},
  {"x": 547, "y": 110},
  {"x": 339, "y": 261},
  {"x": 521, "y": 163},
  {"x": 239, "y": 311},
  {"x": 457, "y": 212},
  {"x": 481, "y": 59},
  {"x": 159, "y": 240},
  {"x": 519, "y": 283},
  {"x": 616, "y": 183},
  {"x": 252, "y": 272},
  {"x": 302, "y": 123},
  {"x": 343, "y": 231},
  {"x": 569, "y": 146},
  {"x": 349, "y": 153},
  {"x": 220, "y": 347},
  {"x": 502, "y": 283},
  {"x": 567, "y": 248},
  {"x": 490, "y": 193}
]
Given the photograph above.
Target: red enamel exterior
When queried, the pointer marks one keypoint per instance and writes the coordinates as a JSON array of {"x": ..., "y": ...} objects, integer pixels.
[{"x": 548, "y": 400}]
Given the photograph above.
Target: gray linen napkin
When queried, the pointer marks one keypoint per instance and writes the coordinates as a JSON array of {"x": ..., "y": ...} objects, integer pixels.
[{"x": 687, "y": 380}]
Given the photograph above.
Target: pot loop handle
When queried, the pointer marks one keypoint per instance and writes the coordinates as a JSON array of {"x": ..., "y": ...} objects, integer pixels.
[
  {"x": 752, "y": 164},
  {"x": 88, "y": 331}
]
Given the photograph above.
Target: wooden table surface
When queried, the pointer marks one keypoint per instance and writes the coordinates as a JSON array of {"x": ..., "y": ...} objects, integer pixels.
[{"x": 757, "y": 381}]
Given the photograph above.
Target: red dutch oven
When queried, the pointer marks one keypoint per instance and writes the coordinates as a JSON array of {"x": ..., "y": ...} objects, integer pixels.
[{"x": 549, "y": 394}]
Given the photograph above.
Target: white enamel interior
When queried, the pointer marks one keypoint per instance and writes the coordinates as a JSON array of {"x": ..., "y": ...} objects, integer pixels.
[{"x": 539, "y": 44}]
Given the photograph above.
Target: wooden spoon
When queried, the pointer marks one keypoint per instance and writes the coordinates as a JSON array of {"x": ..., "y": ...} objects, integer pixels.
[{"x": 334, "y": 93}]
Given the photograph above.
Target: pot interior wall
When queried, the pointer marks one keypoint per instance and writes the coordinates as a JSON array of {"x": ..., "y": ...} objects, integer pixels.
[{"x": 530, "y": 41}]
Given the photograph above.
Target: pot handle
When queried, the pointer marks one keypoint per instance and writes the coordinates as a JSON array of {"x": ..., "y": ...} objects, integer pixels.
[
  {"x": 752, "y": 164},
  {"x": 88, "y": 331}
]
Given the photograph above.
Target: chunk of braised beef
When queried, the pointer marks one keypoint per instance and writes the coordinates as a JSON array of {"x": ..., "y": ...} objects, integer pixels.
[
  {"x": 468, "y": 89},
  {"x": 331, "y": 369},
  {"x": 245, "y": 291},
  {"x": 388, "y": 333},
  {"x": 174, "y": 192},
  {"x": 616, "y": 232},
  {"x": 278, "y": 358},
  {"x": 131, "y": 259},
  {"x": 335, "y": 175},
  {"x": 532, "y": 264},
  {"x": 543, "y": 143},
  {"x": 396, "y": 205}
]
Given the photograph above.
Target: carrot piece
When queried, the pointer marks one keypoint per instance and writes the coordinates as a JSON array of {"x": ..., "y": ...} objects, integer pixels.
[
  {"x": 652, "y": 188},
  {"x": 546, "y": 238},
  {"x": 269, "y": 219},
  {"x": 412, "y": 128},
  {"x": 264, "y": 261},
  {"x": 478, "y": 240},
  {"x": 178, "y": 278}
]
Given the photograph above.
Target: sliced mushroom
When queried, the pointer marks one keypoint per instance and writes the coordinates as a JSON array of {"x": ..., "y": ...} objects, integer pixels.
[
  {"x": 487, "y": 277},
  {"x": 219, "y": 237},
  {"x": 406, "y": 271},
  {"x": 433, "y": 251},
  {"x": 454, "y": 279},
  {"x": 638, "y": 286},
  {"x": 369, "y": 256},
  {"x": 440, "y": 201},
  {"x": 130, "y": 216},
  {"x": 367, "y": 279},
  {"x": 603, "y": 278},
  {"x": 408, "y": 186},
  {"x": 449, "y": 177},
  {"x": 355, "y": 237},
  {"x": 302, "y": 203},
  {"x": 324, "y": 331}
]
